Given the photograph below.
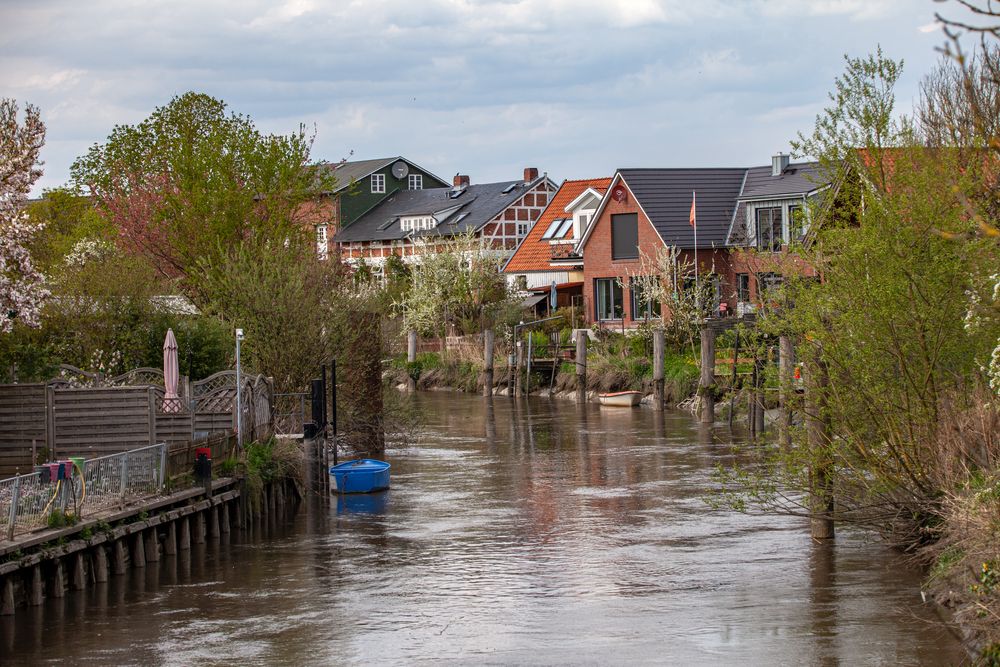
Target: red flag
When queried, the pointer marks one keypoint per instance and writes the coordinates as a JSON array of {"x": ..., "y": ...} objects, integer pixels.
[{"x": 693, "y": 216}]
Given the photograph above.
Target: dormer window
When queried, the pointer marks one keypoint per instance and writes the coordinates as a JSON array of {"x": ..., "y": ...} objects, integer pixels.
[
  {"x": 378, "y": 183},
  {"x": 416, "y": 223},
  {"x": 769, "y": 235}
]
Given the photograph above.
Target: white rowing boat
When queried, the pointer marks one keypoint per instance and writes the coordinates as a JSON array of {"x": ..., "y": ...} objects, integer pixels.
[{"x": 623, "y": 399}]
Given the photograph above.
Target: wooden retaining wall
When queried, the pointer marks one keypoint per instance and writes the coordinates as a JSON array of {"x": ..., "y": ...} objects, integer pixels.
[{"x": 52, "y": 563}]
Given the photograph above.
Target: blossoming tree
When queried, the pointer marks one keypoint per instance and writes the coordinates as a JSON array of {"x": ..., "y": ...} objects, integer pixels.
[{"x": 22, "y": 286}]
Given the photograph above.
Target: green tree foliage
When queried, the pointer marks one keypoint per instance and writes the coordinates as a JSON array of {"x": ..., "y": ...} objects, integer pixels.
[
  {"x": 66, "y": 218},
  {"x": 291, "y": 306},
  {"x": 459, "y": 283},
  {"x": 194, "y": 180},
  {"x": 887, "y": 314}
]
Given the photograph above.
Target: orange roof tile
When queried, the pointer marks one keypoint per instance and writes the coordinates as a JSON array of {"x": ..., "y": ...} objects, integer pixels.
[{"x": 533, "y": 254}]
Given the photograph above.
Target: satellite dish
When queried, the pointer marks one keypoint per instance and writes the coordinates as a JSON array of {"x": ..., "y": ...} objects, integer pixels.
[{"x": 400, "y": 170}]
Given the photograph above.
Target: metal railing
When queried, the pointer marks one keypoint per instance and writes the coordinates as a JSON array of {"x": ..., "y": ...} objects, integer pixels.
[
  {"x": 27, "y": 502},
  {"x": 289, "y": 414}
]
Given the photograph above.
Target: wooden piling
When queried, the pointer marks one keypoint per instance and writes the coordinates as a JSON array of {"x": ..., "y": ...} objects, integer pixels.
[
  {"x": 7, "y": 596},
  {"x": 581, "y": 366},
  {"x": 706, "y": 384},
  {"x": 758, "y": 396},
  {"x": 36, "y": 595},
  {"x": 99, "y": 562},
  {"x": 786, "y": 388},
  {"x": 118, "y": 562},
  {"x": 170, "y": 541},
  {"x": 213, "y": 522},
  {"x": 488, "y": 343},
  {"x": 138, "y": 550},
  {"x": 184, "y": 534},
  {"x": 226, "y": 528},
  {"x": 152, "y": 545},
  {"x": 519, "y": 388},
  {"x": 658, "y": 362},
  {"x": 57, "y": 583},
  {"x": 199, "y": 528},
  {"x": 79, "y": 579},
  {"x": 819, "y": 433},
  {"x": 411, "y": 357}
]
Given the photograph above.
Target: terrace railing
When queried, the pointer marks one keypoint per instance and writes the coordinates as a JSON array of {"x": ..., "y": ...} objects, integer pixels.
[{"x": 28, "y": 501}]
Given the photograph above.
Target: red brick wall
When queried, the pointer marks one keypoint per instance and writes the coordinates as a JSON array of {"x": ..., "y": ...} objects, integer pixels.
[{"x": 597, "y": 262}]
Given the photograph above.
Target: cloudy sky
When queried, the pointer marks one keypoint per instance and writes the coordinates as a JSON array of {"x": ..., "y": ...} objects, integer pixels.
[{"x": 485, "y": 87}]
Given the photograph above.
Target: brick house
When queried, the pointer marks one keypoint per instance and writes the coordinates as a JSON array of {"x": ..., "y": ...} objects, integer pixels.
[
  {"x": 361, "y": 185},
  {"x": 548, "y": 254},
  {"x": 410, "y": 223},
  {"x": 765, "y": 208}
]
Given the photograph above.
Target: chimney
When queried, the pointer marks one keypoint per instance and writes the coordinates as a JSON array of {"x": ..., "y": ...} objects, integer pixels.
[
  {"x": 460, "y": 181},
  {"x": 530, "y": 174},
  {"x": 779, "y": 163}
]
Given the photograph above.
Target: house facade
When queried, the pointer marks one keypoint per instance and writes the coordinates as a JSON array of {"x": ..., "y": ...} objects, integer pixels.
[
  {"x": 646, "y": 210},
  {"x": 773, "y": 215},
  {"x": 548, "y": 254},
  {"x": 766, "y": 209},
  {"x": 360, "y": 186},
  {"x": 412, "y": 222}
]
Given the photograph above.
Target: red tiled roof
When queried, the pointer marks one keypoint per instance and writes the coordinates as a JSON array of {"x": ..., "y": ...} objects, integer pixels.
[{"x": 534, "y": 254}]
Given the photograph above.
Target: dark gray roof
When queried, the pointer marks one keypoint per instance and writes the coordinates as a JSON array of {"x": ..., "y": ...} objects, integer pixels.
[
  {"x": 478, "y": 204},
  {"x": 355, "y": 170},
  {"x": 797, "y": 179},
  {"x": 665, "y": 196}
]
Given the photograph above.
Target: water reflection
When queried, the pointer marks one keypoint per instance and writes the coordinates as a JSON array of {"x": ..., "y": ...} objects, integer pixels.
[{"x": 515, "y": 532}]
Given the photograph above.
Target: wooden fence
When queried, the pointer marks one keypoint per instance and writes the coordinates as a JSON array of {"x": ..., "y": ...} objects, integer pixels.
[{"x": 45, "y": 421}]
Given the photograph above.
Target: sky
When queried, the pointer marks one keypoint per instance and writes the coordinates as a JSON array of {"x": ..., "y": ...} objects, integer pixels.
[{"x": 576, "y": 88}]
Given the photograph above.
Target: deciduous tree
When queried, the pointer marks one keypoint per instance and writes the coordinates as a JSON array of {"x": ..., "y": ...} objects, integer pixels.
[{"x": 22, "y": 286}]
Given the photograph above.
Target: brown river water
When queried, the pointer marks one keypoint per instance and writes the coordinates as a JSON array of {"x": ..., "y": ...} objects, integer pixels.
[{"x": 537, "y": 532}]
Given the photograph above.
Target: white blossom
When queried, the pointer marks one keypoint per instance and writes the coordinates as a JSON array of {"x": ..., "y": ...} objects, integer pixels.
[{"x": 22, "y": 286}]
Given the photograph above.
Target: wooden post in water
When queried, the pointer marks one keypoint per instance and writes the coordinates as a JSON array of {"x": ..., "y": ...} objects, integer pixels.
[
  {"x": 99, "y": 561},
  {"x": 518, "y": 364},
  {"x": 706, "y": 385},
  {"x": 819, "y": 433},
  {"x": 659, "y": 344},
  {"x": 152, "y": 545},
  {"x": 488, "y": 341},
  {"x": 78, "y": 581},
  {"x": 786, "y": 388},
  {"x": 758, "y": 396},
  {"x": 411, "y": 356},
  {"x": 581, "y": 366},
  {"x": 7, "y": 596},
  {"x": 170, "y": 542}
]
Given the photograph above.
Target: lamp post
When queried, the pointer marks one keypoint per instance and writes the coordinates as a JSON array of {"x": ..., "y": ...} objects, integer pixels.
[{"x": 239, "y": 392}]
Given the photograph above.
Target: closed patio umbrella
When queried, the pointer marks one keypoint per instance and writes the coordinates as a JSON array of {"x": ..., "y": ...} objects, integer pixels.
[{"x": 171, "y": 374}]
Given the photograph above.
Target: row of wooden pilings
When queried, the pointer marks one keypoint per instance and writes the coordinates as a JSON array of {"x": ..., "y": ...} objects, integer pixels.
[
  {"x": 516, "y": 365},
  {"x": 50, "y": 571}
]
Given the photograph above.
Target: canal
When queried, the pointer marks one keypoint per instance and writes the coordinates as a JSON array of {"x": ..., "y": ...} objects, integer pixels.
[{"x": 539, "y": 532}]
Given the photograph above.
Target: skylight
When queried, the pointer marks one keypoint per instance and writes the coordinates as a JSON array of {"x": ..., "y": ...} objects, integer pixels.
[
  {"x": 509, "y": 188},
  {"x": 555, "y": 224},
  {"x": 566, "y": 226}
]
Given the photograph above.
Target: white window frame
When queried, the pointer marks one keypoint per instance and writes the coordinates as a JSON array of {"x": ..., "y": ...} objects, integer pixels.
[
  {"x": 415, "y": 182},
  {"x": 378, "y": 183},
  {"x": 322, "y": 242},
  {"x": 522, "y": 229}
]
